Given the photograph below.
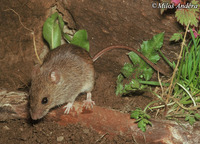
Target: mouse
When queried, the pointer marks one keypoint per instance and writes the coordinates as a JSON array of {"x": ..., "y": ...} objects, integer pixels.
[{"x": 66, "y": 72}]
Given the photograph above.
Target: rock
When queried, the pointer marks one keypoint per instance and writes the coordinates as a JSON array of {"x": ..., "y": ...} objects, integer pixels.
[
  {"x": 115, "y": 123},
  {"x": 13, "y": 104},
  {"x": 60, "y": 138}
]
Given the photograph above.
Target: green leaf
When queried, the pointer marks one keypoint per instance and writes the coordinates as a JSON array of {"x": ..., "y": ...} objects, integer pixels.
[
  {"x": 158, "y": 40},
  {"x": 148, "y": 48},
  {"x": 193, "y": 38},
  {"x": 187, "y": 117},
  {"x": 197, "y": 116},
  {"x": 149, "y": 52},
  {"x": 195, "y": 2},
  {"x": 153, "y": 44},
  {"x": 127, "y": 70},
  {"x": 52, "y": 32},
  {"x": 61, "y": 22},
  {"x": 148, "y": 117},
  {"x": 174, "y": 64},
  {"x": 135, "y": 115},
  {"x": 176, "y": 37},
  {"x": 120, "y": 78},
  {"x": 192, "y": 120},
  {"x": 67, "y": 37},
  {"x": 135, "y": 84},
  {"x": 147, "y": 122},
  {"x": 119, "y": 89},
  {"x": 148, "y": 72},
  {"x": 80, "y": 38},
  {"x": 135, "y": 59},
  {"x": 132, "y": 86},
  {"x": 188, "y": 15},
  {"x": 142, "y": 125}
]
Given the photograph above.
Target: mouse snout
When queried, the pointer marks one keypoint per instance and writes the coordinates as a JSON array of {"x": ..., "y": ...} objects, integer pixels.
[
  {"x": 36, "y": 115},
  {"x": 33, "y": 115}
]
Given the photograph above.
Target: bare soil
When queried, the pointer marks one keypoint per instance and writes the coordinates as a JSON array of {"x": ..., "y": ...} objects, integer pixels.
[{"x": 113, "y": 22}]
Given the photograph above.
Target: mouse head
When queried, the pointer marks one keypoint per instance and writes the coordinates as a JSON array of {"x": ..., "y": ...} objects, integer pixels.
[{"x": 44, "y": 91}]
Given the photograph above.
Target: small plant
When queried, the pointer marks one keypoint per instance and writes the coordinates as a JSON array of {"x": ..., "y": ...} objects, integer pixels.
[
  {"x": 141, "y": 118},
  {"x": 192, "y": 117},
  {"x": 138, "y": 73},
  {"x": 53, "y": 32}
]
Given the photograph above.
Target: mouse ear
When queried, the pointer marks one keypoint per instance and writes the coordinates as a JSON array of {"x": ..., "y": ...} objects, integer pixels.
[{"x": 54, "y": 76}]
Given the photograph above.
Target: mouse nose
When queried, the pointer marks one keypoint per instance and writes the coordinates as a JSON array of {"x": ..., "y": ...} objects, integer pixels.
[{"x": 34, "y": 116}]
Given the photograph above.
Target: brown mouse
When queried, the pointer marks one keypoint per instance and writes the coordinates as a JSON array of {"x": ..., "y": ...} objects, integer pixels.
[{"x": 66, "y": 72}]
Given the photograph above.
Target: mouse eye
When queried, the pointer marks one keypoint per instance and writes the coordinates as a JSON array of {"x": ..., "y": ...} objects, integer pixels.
[{"x": 44, "y": 100}]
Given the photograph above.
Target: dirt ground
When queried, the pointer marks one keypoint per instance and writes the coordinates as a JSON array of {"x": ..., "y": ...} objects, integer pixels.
[{"x": 113, "y": 22}]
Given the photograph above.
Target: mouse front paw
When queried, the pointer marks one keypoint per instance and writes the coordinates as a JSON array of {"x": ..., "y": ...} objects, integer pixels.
[{"x": 68, "y": 107}]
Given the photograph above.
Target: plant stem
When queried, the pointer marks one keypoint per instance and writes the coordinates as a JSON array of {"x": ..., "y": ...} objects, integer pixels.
[
  {"x": 165, "y": 58},
  {"x": 153, "y": 83},
  {"x": 32, "y": 32},
  {"x": 188, "y": 94},
  {"x": 183, "y": 107},
  {"x": 150, "y": 104},
  {"x": 176, "y": 68},
  {"x": 161, "y": 106}
]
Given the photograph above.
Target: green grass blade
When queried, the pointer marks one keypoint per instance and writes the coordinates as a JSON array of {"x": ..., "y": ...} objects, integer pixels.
[
  {"x": 155, "y": 83},
  {"x": 193, "y": 38}
]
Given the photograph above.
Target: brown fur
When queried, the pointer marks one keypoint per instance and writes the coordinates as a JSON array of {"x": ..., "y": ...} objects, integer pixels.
[{"x": 74, "y": 74}]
